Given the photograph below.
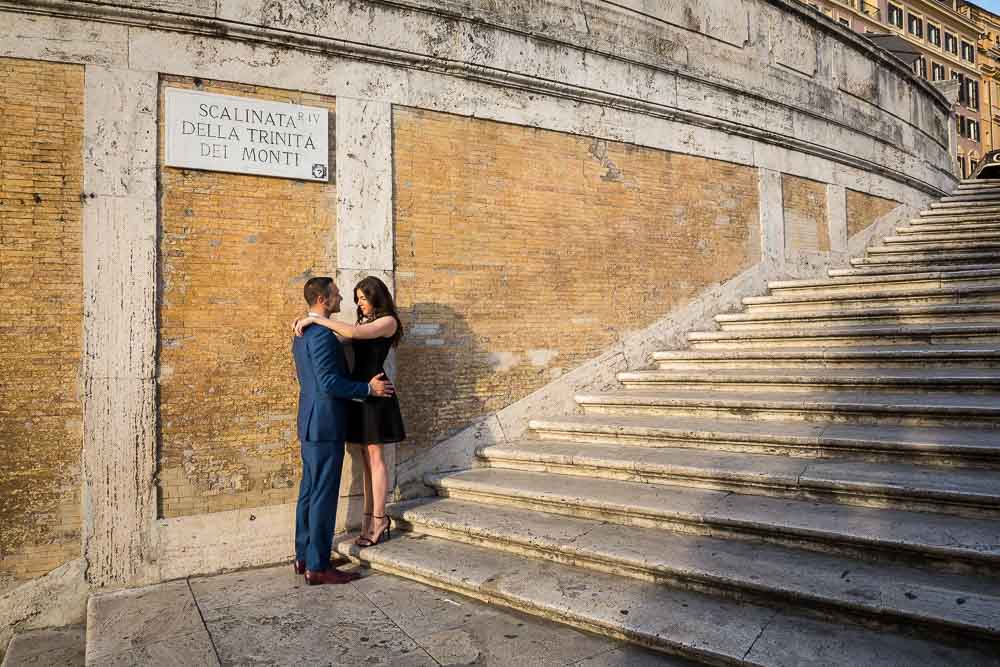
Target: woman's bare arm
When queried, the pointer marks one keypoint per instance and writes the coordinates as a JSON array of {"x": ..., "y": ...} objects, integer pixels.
[{"x": 383, "y": 327}]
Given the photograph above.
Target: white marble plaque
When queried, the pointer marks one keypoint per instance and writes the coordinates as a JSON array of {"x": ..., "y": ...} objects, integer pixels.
[{"x": 246, "y": 136}]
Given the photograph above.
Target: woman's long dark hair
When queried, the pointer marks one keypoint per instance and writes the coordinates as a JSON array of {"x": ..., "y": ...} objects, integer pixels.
[{"x": 382, "y": 304}]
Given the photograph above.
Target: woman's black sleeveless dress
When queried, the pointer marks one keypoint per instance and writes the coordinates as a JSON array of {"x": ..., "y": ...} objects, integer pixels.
[{"x": 374, "y": 420}]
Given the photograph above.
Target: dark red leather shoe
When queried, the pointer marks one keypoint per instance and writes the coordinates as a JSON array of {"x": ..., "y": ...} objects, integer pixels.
[
  {"x": 330, "y": 577},
  {"x": 300, "y": 566}
]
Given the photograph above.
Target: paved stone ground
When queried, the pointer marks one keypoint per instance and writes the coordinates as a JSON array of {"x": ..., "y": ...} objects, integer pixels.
[
  {"x": 270, "y": 617},
  {"x": 57, "y": 647}
]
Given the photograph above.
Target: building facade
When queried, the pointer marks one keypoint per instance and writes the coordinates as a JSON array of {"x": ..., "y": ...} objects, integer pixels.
[
  {"x": 947, "y": 38},
  {"x": 988, "y": 56},
  {"x": 540, "y": 184}
]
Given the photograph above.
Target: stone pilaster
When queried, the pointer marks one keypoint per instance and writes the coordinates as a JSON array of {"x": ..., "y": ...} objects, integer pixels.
[
  {"x": 836, "y": 207},
  {"x": 364, "y": 219},
  {"x": 119, "y": 292},
  {"x": 772, "y": 218}
]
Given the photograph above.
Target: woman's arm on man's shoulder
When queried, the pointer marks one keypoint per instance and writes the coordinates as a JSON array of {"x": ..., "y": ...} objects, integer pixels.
[{"x": 383, "y": 327}]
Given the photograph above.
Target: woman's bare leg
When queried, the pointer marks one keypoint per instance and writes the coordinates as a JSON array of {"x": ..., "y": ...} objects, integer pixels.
[
  {"x": 379, "y": 487},
  {"x": 366, "y": 520}
]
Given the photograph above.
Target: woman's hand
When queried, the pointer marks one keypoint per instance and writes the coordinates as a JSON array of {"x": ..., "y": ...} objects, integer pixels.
[{"x": 301, "y": 323}]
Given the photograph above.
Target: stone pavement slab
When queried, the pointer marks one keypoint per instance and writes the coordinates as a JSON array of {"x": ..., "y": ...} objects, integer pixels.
[
  {"x": 181, "y": 651},
  {"x": 270, "y": 617},
  {"x": 460, "y": 631},
  {"x": 58, "y": 647},
  {"x": 311, "y": 626},
  {"x": 145, "y": 626}
]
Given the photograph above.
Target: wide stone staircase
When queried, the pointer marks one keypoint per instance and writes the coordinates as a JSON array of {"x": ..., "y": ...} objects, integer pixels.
[{"x": 815, "y": 483}]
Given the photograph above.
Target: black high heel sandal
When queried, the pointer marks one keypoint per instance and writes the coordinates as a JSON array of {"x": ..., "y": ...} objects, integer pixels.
[
  {"x": 361, "y": 537},
  {"x": 386, "y": 534}
]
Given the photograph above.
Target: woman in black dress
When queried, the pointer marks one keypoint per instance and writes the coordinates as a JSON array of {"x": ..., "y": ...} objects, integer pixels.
[{"x": 374, "y": 421}]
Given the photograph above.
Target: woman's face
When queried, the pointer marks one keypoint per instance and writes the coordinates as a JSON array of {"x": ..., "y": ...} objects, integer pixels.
[{"x": 363, "y": 304}]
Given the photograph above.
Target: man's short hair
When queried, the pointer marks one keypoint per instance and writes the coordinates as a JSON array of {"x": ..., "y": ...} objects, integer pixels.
[{"x": 315, "y": 288}]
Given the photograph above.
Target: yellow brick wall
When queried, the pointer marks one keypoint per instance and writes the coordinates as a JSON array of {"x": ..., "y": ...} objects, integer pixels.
[
  {"x": 806, "y": 221},
  {"x": 235, "y": 253},
  {"x": 522, "y": 253},
  {"x": 41, "y": 287},
  {"x": 863, "y": 209}
]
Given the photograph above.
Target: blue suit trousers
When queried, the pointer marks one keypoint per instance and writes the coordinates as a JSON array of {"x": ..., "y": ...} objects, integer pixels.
[{"x": 316, "y": 510}]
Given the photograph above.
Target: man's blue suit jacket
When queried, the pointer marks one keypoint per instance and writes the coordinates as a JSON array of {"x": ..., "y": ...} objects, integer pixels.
[{"x": 324, "y": 384}]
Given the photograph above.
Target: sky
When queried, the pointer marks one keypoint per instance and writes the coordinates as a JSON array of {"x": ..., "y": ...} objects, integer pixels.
[{"x": 990, "y": 5}]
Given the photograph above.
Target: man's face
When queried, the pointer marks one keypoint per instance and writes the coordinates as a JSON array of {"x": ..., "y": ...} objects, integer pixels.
[{"x": 333, "y": 302}]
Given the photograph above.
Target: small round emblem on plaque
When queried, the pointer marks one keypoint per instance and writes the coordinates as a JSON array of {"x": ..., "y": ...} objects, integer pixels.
[{"x": 319, "y": 171}]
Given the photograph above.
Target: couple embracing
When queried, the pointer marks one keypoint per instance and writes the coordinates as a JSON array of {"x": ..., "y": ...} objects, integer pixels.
[{"x": 336, "y": 405}]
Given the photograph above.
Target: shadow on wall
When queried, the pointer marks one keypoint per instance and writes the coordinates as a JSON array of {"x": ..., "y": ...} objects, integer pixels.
[{"x": 443, "y": 375}]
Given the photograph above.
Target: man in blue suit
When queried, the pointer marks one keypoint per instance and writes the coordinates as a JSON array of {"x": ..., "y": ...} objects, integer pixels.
[{"x": 324, "y": 389}]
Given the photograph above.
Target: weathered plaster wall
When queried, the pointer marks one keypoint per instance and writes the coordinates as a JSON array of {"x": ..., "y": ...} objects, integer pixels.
[
  {"x": 521, "y": 253},
  {"x": 41, "y": 313}
]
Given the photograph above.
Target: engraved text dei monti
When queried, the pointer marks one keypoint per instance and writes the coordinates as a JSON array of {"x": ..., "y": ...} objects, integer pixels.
[{"x": 246, "y": 136}]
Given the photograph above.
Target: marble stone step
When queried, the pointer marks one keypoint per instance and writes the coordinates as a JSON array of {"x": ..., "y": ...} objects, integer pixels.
[
  {"x": 949, "y": 233},
  {"x": 955, "y": 491},
  {"x": 977, "y": 201},
  {"x": 826, "y": 405},
  {"x": 955, "y": 215},
  {"x": 694, "y": 625},
  {"x": 964, "y": 190},
  {"x": 974, "y": 187},
  {"x": 984, "y": 192},
  {"x": 925, "y": 258},
  {"x": 976, "y": 192},
  {"x": 902, "y": 270},
  {"x": 987, "y": 199},
  {"x": 850, "y": 589},
  {"x": 923, "y": 247},
  {"x": 956, "y": 446},
  {"x": 959, "y": 220},
  {"x": 924, "y": 261},
  {"x": 982, "y": 313},
  {"x": 944, "y": 241},
  {"x": 935, "y": 541},
  {"x": 991, "y": 194},
  {"x": 917, "y": 380},
  {"x": 900, "y": 281},
  {"x": 902, "y": 356},
  {"x": 972, "y": 195},
  {"x": 855, "y": 336},
  {"x": 960, "y": 208},
  {"x": 973, "y": 227},
  {"x": 979, "y": 182},
  {"x": 822, "y": 301}
]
